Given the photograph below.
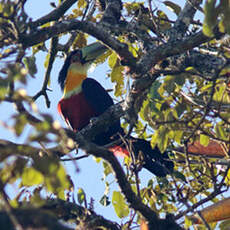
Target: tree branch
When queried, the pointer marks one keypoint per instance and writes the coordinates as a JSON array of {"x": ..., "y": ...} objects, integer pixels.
[
  {"x": 85, "y": 218},
  {"x": 33, "y": 219},
  {"x": 184, "y": 19},
  {"x": 96, "y": 30},
  {"x": 54, "y": 15},
  {"x": 9, "y": 148},
  {"x": 171, "y": 48},
  {"x": 53, "y": 52},
  {"x": 112, "y": 12},
  {"x": 134, "y": 201}
]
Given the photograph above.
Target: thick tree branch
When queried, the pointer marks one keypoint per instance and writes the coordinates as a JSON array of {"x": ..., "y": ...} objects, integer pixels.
[
  {"x": 113, "y": 113},
  {"x": 112, "y": 12},
  {"x": 204, "y": 63},
  {"x": 148, "y": 60},
  {"x": 184, "y": 19},
  {"x": 60, "y": 209},
  {"x": 33, "y": 219},
  {"x": 96, "y": 30},
  {"x": 9, "y": 148},
  {"x": 54, "y": 15},
  {"x": 84, "y": 218},
  {"x": 169, "y": 49},
  {"x": 134, "y": 201}
]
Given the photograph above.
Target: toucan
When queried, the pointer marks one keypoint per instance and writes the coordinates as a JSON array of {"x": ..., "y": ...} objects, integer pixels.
[{"x": 85, "y": 98}]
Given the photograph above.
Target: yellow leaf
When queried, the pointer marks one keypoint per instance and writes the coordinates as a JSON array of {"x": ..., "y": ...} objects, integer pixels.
[
  {"x": 118, "y": 77},
  {"x": 76, "y": 13},
  {"x": 32, "y": 177},
  {"x": 80, "y": 41},
  {"x": 112, "y": 60},
  {"x": 225, "y": 71},
  {"x": 81, "y": 3},
  {"x": 204, "y": 140}
]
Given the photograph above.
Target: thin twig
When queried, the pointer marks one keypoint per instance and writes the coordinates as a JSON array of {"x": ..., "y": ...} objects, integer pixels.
[
  {"x": 43, "y": 91},
  {"x": 203, "y": 220},
  {"x": 76, "y": 158}
]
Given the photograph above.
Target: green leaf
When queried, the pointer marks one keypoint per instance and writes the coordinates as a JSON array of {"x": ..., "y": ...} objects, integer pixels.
[
  {"x": 204, "y": 140},
  {"x": 97, "y": 159},
  {"x": 30, "y": 65},
  {"x": 169, "y": 84},
  {"x": 31, "y": 177},
  {"x": 121, "y": 208},
  {"x": 81, "y": 196},
  {"x": 132, "y": 7},
  {"x": 221, "y": 26},
  {"x": 43, "y": 126},
  {"x": 163, "y": 138},
  {"x": 178, "y": 136},
  {"x": 154, "y": 139},
  {"x": 1, "y": 7},
  {"x": 210, "y": 19},
  {"x": 21, "y": 122},
  {"x": 7, "y": 9},
  {"x": 144, "y": 110},
  {"x": 55, "y": 177},
  {"x": 62, "y": 177},
  {"x": 76, "y": 13},
  {"x": 227, "y": 178},
  {"x": 225, "y": 15},
  {"x": 206, "y": 87},
  {"x": 173, "y": 7},
  {"x": 180, "y": 176},
  {"x": 105, "y": 200},
  {"x": 81, "y": 3},
  {"x": 112, "y": 60},
  {"x": 153, "y": 93},
  {"x": 163, "y": 183},
  {"x": 47, "y": 59},
  {"x": 220, "y": 132},
  {"x": 180, "y": 108},
  {"x": 118, "y": 77},
  {"x": 220, "y": 90},
  {"x": 133, "y": 50},
  {"x": 225, "y": 70},
  {"x": 187, "y": 222},
  {"x": 3, "y": 91},
  {"x": 107, "y": 168},
  {"x": 207, "y": 30}
]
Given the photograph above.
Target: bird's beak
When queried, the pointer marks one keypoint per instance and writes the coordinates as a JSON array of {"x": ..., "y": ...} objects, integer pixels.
[{"x": 91, "y": 52}]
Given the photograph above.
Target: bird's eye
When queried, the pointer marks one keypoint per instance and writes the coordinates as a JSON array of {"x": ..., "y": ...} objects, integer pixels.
[{"x": 76, "y": 57}]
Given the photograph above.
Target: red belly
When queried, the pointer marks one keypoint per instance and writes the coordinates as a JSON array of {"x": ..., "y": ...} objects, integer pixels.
[{"x": 76, "y": 111}]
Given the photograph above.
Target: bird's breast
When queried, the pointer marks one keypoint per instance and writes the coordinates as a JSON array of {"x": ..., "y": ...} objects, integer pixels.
[{"x": 76, "y": 111}]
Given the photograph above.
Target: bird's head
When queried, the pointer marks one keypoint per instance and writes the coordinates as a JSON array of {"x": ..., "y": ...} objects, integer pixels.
[{"x": 76, "y": 65}]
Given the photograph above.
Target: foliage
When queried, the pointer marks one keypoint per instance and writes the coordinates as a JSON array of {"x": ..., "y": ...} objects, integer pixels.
[{"x": 173, "y": 73}]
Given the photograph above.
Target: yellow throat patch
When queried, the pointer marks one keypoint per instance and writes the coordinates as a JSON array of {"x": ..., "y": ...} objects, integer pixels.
[{"x": 73, "y": 80}]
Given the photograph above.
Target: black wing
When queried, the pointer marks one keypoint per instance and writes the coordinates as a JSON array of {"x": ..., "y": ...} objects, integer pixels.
[
  {"x": 100, "y": 100},
  {"x": 96, "y": 95}
]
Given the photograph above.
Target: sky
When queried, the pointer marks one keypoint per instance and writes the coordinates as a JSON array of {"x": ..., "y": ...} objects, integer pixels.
[{"x": 90, "y": 176}]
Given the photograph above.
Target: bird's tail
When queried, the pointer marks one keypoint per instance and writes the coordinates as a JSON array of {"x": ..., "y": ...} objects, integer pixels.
[{"x": 153, "y": 160}]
